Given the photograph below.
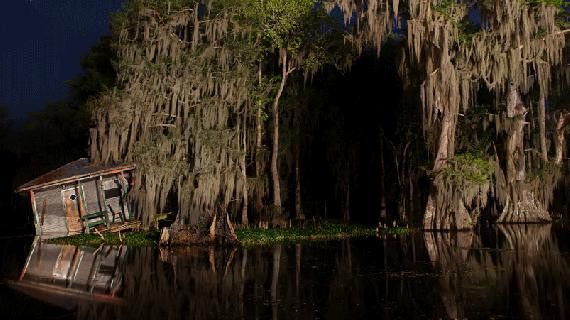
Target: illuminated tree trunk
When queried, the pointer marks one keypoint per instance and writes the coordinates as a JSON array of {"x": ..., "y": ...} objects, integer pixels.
[
  {"x": 521, "y": 205},
  {"x": 446, "y": 138},
  {"x": 560, "y": 136},
  {"x": 222, "y": 230},
  {"x": 445, "y": 209},
  {"x": 244, "y": 219},
  {"x": 258, "y": 149},
  {"x": 542, "y": 128},
  {"x": 275, "y": 148}
]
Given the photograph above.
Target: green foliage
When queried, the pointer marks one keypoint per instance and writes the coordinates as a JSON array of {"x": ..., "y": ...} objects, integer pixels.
[
  {"x": 130, "y": 14},
  {"x": 159, "y": 5},
  {"x": 563, "y": 16},
  {"x": 133, "y": 239},
  {"x": 563, "y": 20},
  {"x": 451, "y": 10},
  {"x": 555, "y": 3},
  {"x": 457, "y": 14},
  {"x": 476, "y": 134},
  {"x": 264, "y": 93},
  {"x": 469, "y": 168},
  {"x": 396, "y": 231},
  {"x": 467, "y": 31},
  {"x": 541, "y": 33},
  {"x": 444, "y": 7},
  {"x": 280, "y": 23},
  {"x": 327, "y": 231}
]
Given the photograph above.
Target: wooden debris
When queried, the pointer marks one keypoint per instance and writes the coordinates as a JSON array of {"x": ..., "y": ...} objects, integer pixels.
[{"x": 99, "y": 234}]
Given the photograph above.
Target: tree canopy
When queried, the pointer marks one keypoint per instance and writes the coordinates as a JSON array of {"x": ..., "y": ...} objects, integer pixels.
[{"x": 195, "y": 78}]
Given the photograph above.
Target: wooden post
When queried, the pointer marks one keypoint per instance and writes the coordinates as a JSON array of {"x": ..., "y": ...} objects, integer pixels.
[
  {"x": 121, "y": 178},
  {"x": 81, "y": 202},
  {"x": 101, "y": 194},
  {"x": 35, "y": 212}
]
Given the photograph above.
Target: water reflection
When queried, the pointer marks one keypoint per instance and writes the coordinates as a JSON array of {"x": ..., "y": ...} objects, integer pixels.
[
  {"x": 66, "y": 275},
  {"x": 520, "y": 273},
  {"x": 512, "y": 271}
]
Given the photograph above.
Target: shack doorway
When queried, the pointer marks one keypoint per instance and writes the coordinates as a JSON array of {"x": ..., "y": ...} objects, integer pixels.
[{"x": 71, "y": 206}]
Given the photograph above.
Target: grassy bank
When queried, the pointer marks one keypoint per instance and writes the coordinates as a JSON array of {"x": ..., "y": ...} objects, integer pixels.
[
  {"x": 246, "y": 236},
  {"x": 327, "y": 231},
  {"x": 134, "y": 239},
  {"x": 398, "y": 231}
]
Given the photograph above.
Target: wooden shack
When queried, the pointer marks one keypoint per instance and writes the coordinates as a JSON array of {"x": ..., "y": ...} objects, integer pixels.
[{"x": 79, "y": 196}]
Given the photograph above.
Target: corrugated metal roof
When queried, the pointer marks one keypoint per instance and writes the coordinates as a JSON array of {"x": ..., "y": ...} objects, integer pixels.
[{"x": 76, "y": 170}]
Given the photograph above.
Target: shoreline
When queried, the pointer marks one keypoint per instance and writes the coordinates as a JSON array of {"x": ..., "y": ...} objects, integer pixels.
[
  {"x": 255, "y": 236},
  {"x": 246, "y": 236}
]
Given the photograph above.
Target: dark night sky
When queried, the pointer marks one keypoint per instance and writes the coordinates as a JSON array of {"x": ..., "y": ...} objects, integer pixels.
[{"x": 42, "y": 42}]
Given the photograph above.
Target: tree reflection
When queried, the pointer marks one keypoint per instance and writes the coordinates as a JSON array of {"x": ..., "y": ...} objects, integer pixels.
[
  {"x": 505, "y": 271},
  {"x": 524, "y": 270}
]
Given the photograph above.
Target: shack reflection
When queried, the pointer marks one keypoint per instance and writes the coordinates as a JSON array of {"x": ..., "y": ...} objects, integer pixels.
[{"x": 66, "y": 275}]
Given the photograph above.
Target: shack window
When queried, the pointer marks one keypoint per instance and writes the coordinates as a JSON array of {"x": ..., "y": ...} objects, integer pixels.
[{"x": 112, "y": 193}]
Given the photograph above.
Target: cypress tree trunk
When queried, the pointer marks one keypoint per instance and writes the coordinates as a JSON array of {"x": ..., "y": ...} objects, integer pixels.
[
  {"x": 258, "y": 149},
  {"x": 446, "y": 138},
  {"x": 521, "y": 204},
  {"x": 445, "y": 209},
  {"x": 542, "y": 127},
  {"x": 275, "y": 148},
  {"x": 244, "y": 218},
  {"x": 560, "y": 136}
]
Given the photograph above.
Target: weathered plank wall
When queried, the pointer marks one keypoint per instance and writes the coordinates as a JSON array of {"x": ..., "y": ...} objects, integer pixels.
[
  {"x": 50, "y": 207},
  {"x": 90, "y": 196}
]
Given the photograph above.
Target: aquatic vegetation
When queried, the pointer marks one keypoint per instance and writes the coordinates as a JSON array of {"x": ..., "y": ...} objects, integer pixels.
[
  {"x": 326, "y": 231},
  {"x": 245, "y": 236},
  {"x": 134, "y": 239},
  {"x": 395, "y": 231}
]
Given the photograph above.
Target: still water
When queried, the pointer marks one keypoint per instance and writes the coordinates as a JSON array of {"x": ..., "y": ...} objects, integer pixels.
[{"x": 495, "y": 272}]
